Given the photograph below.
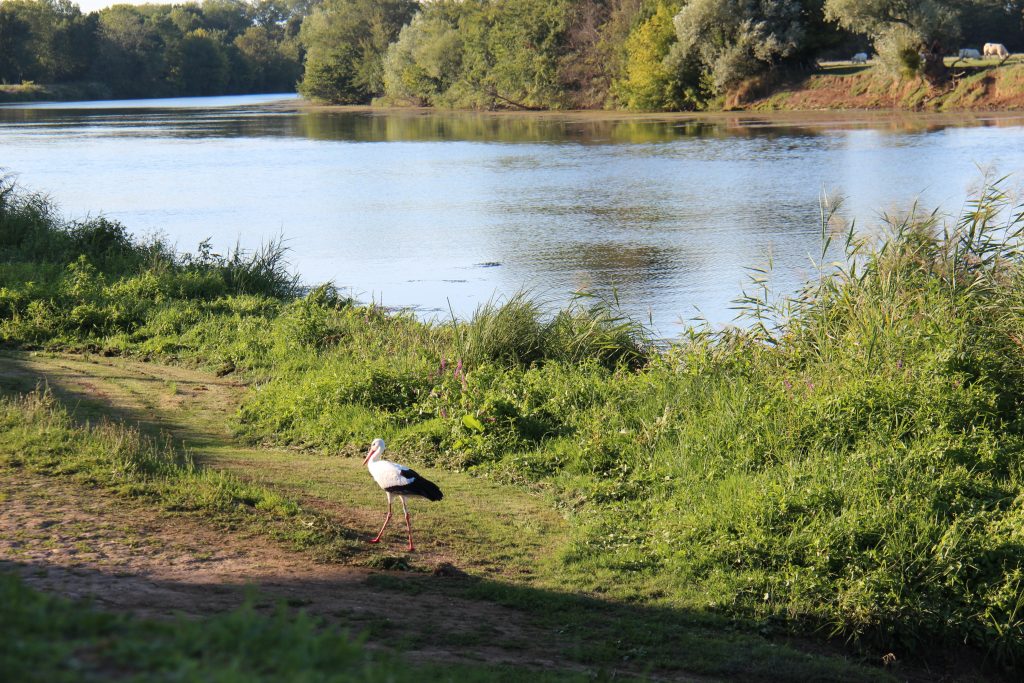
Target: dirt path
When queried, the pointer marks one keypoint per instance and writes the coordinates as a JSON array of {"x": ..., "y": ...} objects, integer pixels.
[
  {"x": 482, "y": 527},
  {"x": 71, "y": 541},
  {"x": 125, "y": 556}
]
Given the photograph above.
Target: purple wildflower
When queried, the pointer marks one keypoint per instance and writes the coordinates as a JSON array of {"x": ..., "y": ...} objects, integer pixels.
[
  {"x": 458, "y": 369},
  {"x": 786, "y": 383}
]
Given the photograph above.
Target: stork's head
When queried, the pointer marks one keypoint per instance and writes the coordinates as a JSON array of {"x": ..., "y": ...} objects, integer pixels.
[{"x": 376, "y": 450}]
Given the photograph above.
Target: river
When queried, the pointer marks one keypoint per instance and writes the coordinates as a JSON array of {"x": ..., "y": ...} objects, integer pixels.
[{"x": 430, "y": 210}]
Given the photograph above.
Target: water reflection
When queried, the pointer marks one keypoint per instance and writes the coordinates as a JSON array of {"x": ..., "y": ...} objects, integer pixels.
[
  {"x": 201, "y": 117},
  {"x": 405, "y": 206}
]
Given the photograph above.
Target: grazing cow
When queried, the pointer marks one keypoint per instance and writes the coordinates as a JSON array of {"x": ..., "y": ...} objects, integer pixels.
[
  {"x": 995, "y": 50},
  {"x": 969, "y": 53},
  {"x": 860, "y": 58}
]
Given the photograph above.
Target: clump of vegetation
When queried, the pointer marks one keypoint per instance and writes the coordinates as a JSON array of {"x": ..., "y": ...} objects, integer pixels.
[
  {"x": 847, "y": 462},
  {"x": 649, "y": 79},
  {"x": 64, "y": 281},
  {"x": 345, "y": 41}
]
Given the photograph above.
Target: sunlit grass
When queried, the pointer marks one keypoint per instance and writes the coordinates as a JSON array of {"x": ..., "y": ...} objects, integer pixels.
[{"x": 846, "y": 463}]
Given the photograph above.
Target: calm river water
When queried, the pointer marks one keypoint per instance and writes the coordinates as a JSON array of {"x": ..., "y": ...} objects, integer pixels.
[{"x": 419, "y": 209}]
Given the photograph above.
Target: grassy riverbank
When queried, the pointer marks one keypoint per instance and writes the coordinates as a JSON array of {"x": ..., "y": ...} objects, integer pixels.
[
  {"x": 974, "y": 86},
  {"x": 849, "y": 465},
  {"x": 64, "y": 92}
]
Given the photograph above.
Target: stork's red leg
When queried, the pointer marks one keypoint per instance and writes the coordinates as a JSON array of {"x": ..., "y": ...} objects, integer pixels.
[
  {"x": 386, "y": 520},
  {"x": 408, "y": 526}
]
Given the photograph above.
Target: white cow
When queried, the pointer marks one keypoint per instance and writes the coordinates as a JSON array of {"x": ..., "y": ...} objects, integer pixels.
[
  {"x": 995, "y": 50},
  {"x": 969, "y": 53},
  {"x": 860, "y": 58}
]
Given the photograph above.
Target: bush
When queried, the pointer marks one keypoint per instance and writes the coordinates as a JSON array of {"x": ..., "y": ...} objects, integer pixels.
[{"x": 899, "y": 50}]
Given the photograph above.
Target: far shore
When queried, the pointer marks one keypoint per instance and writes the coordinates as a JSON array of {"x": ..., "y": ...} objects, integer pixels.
[
  {"x": 744, "y": 117},
  {"x": 748, "y": 117}
]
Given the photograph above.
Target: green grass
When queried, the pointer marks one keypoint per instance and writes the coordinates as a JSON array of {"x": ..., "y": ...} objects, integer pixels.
[
  {"x": 497, "y": 535},
  {"x": 39, "y": 436},
  {"x": 847, "y": 464}
]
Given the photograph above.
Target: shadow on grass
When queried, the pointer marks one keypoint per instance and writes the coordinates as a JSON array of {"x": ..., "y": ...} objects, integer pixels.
[{"x": 843, "y": 69}]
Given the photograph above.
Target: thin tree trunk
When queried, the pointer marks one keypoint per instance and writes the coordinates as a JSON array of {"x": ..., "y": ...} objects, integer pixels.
[{"x": 934, "y": 69}]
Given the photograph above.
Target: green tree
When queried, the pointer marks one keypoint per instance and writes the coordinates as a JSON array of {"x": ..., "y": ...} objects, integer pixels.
[
  {"x": 734, "y": 40},
  {"x": 232, "y": 17},
  {"x": 345, "y": 42},
  {"x": 593, "y": 56},
  {"x": 524, "y": 42},
  {"x": 199, "y": 64},
  {"x": 510, "y": 54},
  {"x": 648, "y": 83},
  {"x": 426, "y": 60},
  {"x": 915, "y": 34},
  {"x": 73, "y": 45},
  {"x": 269, "y": 68},
  {"x": 131, "y": 53},
  {"x": 55, "y": 42},
  {"x": 16, "y": 55}
]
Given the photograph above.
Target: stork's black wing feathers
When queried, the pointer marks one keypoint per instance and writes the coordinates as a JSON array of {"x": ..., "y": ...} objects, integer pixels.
[{"x": 419, "y": 486}]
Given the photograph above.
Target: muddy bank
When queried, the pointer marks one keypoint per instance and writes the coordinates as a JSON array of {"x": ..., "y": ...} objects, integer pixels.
[{"x": 970, "y": 89}]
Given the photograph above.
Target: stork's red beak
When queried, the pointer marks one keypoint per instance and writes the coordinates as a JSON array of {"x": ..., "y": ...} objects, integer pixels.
[{"x": 369, "y": 455}]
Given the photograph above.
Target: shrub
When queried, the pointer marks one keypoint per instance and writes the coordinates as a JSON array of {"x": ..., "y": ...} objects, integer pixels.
[{"x": 899, "y": 51}]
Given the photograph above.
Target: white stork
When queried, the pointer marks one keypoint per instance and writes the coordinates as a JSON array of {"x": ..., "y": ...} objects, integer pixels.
[{"x": 397, "y": 480}]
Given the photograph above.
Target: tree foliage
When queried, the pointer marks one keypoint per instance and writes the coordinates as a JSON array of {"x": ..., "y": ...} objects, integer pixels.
[
  {"x": 648, "y": 82},
  {"x": 426, "y": 60},
  {"x": 345, "y": 42},
  {"x": 153, "y": 50},
  {"x": 734, "y": 40},
  {"x": 912, "y": 35},
  {"x": 483, "y": 53}
]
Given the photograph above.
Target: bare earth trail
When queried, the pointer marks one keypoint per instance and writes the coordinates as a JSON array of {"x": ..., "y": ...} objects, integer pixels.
[
  {"x": 481, "y": 540},
  {"x": 125, "y": 556},
  {"x": 197, "y": 409}
]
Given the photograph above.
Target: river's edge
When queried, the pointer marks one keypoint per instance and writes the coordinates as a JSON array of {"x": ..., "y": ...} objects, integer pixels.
[
  {"x": 752, "y": 118},
  {"x": 866, "y": 91}
]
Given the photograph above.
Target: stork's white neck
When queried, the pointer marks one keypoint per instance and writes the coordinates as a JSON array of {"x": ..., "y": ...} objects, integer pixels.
[{"x": 377, "y": 449}]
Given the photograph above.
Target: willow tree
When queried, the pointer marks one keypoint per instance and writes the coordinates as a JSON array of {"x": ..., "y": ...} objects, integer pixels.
[
  {"x": 737, "y": 39},
  {"x": 913, "y": 34}
]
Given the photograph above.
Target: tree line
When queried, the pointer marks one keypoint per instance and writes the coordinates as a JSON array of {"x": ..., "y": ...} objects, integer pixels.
[
  {"x": 634, "y": 54},
  {"x": 528, "y": 54},
  {"x": 209, "y": 48}
]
